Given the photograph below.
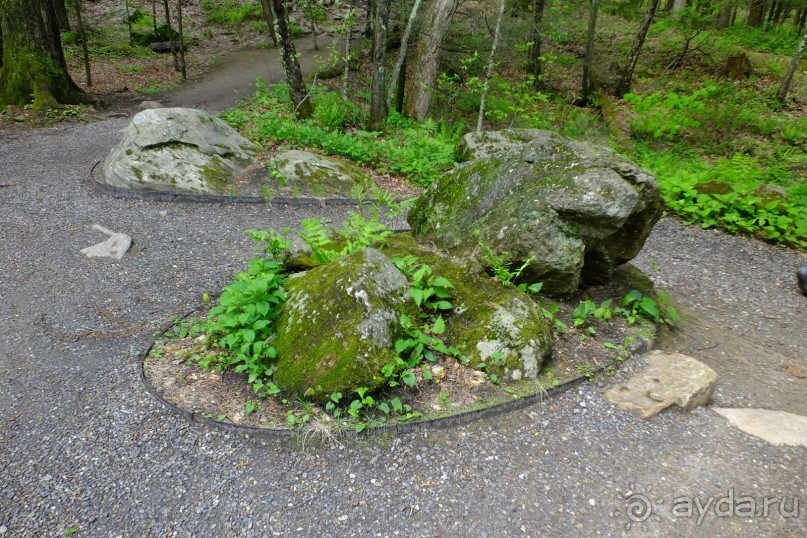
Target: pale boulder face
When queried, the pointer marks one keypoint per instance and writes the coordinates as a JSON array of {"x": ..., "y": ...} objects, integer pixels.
[
  {"x": 178, "y": 150},
  {"x": 571, "y": 210}
]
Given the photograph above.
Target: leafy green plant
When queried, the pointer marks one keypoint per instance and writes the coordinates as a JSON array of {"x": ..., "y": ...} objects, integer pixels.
[
  {"x": 666, "y": 115},
  {"x": 356, "y": 233},
  {"x": 230, "y": 12},
  {"x": 658, "y": 310},
  {"x": 501, "y": 267}
]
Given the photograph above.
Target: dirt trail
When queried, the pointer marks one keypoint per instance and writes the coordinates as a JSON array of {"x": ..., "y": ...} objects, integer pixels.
[{"x": 234, "y": 77}]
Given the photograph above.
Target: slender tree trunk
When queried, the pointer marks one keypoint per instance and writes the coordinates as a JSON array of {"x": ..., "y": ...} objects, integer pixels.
[
  {"x": 153, "y": 13},
  {"x": 534, "y": 66},
  {"x": 781, "y": 94},
  {"x": 270, "y": 20},
  {"x": 181, "y": 41},
  {"x": 775, "y": 5},
  {"x": 83, "y": 34},
  {"x": 723, "y": 17},
  {"x": 348, "y": 41},
  {"x": 589, "y": 58},
  {"x": 491, "y": 64},
  {"x": 129, "y": 22},
  {"x": 733, "y": 16},
  {"x": 425, "y": 62},
  {"x": 61, "y": 15},
  {"x": 171, "y": 35},
  {"x": 624, "y": 83},
  {"x": 783, "y": 15},
  {"x": 33, "y": 59},
  {"x": 370, "y": 17},
  {"x": 756, "y": 14},
  {"x": 378, "y": 85},
  {"x": 401, "y": 59},
  {"x": 288, "y": 56}
]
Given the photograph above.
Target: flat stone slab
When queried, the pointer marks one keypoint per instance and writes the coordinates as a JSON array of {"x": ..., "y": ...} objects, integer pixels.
[
  {"x": 775, "y": 427},
  {"x": 670, "y": 378},
  {"x": 114, "y": 247}
]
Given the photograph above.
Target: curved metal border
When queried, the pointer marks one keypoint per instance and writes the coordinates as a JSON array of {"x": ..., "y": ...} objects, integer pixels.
[
  {"x": 162, "y": 196},
  {"x": 460, "y": 419}
]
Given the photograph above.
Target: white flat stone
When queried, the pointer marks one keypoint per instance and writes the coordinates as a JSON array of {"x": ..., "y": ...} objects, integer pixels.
[
  {"x": 114, "y": 247},
  {"x": 775, "y": 427}
]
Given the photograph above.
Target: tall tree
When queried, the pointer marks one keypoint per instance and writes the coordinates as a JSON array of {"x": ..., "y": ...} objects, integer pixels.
[
  {"x": 270, "y": 20},
  {"x": 588, "y": 62},
  {"x": 288, "y": 56},
  {"x": 491, "y": 64},
  {"x": 623, "y": 86},
  {"x": 534, "y": 66},
  {"x": 756, "y": 14},
  {"x": 781, "y": 94},
  {"x": 171, "y": 41},
  {"x": 378, "y": 85},
  {"x": 83, "y": 34},
  {"x": 33, "y": 60},
  {"x": 401, "y": 59},
  {"x": 181, "y": 35},
  {"x": 437, "y": 15},
  {"x": 60, "y": 7}
]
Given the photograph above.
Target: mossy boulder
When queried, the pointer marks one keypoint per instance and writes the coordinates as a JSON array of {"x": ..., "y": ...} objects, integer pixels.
[
  {"x": 572, "y": 209},
  {"x": 339, "y": 325},
  {"x": 495, "y": 326},
  {"x": 714, "y": 187},
  {"x": 768, "y": 193},
  {"x": 484, "y": 144},
  {"x": 302, "y": 173},
  {"x": 178, "y": 150}
]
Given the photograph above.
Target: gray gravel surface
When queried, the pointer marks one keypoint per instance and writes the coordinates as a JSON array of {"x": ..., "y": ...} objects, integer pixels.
[{"x": 82, "y": 446}]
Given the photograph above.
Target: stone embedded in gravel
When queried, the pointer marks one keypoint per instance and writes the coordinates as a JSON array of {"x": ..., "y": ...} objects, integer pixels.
[
  {"x": 670, "y": 378},
  {"x": 570, "y": 210},
  {"x": 775, "y": 427},
  {"x": 309, "y": 174},
  {"x": 146, "y": 105},
  {"x": 115, "y": 247},
  {"x": 178, "y": 150},
  {"x": 339, "y": 325}
]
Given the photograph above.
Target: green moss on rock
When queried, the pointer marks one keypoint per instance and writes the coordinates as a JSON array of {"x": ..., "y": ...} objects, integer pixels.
[
  {"x": 497, "y": 327},
  {"x": 339, "y": 325}
]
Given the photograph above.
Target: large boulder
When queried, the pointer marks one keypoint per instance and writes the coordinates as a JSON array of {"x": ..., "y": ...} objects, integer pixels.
[
  {"x": 178, "y": 150},
  {"x": 339, "y": 325},
  {"x": 484, "y": 144},
  {"x": 497, "y": 327},
  {"x": 572, "y": 210}
]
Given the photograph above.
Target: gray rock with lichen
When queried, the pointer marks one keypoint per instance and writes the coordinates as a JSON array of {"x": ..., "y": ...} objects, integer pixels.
[
  {"x": 572, "y": 211},
  {"x": 484, "y": 144},
  {"x": 339, "y": 325},
  {"x": 178, "y": 150},
  {"x": 302, "y": 173}
]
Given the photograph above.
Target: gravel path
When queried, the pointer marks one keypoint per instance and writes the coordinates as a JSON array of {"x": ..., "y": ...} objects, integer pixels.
[{"x": 82, "y": 446}]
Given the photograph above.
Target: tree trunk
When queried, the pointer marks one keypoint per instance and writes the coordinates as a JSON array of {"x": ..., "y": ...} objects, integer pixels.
[
  {"x": 153, "y": 13},
  {"x": 348, "y": 40},
  {"x": 33, "y": 59},
  {"x": 426, "y": 60},
  {"x": 678, "y": 5},
  {"x": 181, "y": 41},
  {"x": 83, "y": 34},
  {"x": 723, "y": 17},
  {"x": 534, "y": 66},
  {"x": 624, "y": 83},
  {"x": 288, "y": 56},
  {"x": 171, "y": 35},
  {"x": 775, "y": 5},
  {"x": 61, "y": 15},
  {"x": 270, "y": 20},
  {"x": 491, "y": 64},
  {"x": 401, "y": 59},
  {"x": 781, "y": 95},
  {"x": 378, "y": 85},
  {"x": 756, "y": 14},
  {"x": 589, "y": 58}
]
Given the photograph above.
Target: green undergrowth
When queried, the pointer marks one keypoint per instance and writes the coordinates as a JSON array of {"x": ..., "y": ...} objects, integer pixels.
[
  {"x": 420, "y": 151},
  {"x": 238, "y": 331}
]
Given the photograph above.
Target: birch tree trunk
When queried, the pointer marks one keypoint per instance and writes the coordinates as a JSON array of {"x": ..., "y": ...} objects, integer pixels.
[
  {"x": 491, "y": 64},
  {"x": 781, "y": 94}
]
